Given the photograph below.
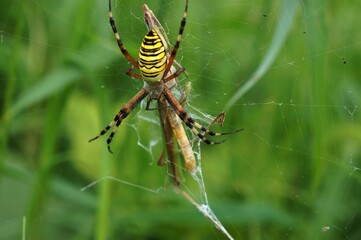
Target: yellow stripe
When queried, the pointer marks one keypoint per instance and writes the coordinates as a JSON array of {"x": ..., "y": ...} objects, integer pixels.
[{"x": 152, "y": 57}]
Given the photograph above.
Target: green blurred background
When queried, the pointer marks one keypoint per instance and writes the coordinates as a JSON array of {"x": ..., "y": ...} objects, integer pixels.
[{"x": 293, "y": 173}]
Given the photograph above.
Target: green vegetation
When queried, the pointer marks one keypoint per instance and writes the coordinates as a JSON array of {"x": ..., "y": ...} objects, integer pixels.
[{"x": 293, "y": 173}]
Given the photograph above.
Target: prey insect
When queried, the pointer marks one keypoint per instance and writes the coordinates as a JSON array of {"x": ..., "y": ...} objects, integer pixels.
[
  {"x": 159, "y": 71},
  {"x": 169, "y": 119}
]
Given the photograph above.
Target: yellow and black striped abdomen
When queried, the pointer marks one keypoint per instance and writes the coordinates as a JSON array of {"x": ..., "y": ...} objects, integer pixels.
[{"x": 152, "y": 57}]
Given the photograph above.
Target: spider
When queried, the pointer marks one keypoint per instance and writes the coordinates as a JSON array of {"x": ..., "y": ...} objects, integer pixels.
[{"x": 155, "y": 63}]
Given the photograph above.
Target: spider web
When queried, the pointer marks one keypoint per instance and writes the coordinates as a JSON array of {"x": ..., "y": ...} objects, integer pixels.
[
  {"x": 296, "y": 166},
  {"x": 206, "y": 46}
]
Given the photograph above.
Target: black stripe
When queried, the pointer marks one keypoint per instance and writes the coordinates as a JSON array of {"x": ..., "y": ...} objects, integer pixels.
[
  {"x": 149, "y": 43},
  {"x": 182, "y": 114},
  {"x": 150, "y": 75},
  {"x": 110, "y": 137},
  {"x": 151, "y": 33},
  {"x": 157, "y": 71},
  {"x": 150, "y": 54},
  {"x": 147, "y": 40},
  {"x": 189, "y": 124},
  {"x": 151, "y": 50},
  {"x": 147, "y": 63}
]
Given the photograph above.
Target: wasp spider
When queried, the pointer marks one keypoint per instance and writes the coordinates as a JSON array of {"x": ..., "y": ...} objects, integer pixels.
[{"x": 155, "y": 64}]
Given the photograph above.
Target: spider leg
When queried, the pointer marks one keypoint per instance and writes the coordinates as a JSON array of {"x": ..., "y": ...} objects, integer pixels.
[
  {"x": 114, "y": 130},
  {"x": 179, "y": 37},
  {"x": 122, "y": 114},
  {"x": 120, "y": 43},
  {"x": 190, "y": 122},
  {"x": 134, "y": 75},
  {"x": 174, "y": 75}
]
